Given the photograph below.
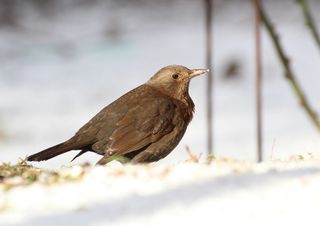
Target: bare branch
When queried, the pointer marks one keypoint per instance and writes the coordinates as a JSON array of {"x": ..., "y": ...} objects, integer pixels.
[
  {"x": 309, "y": 21},
  {"x": 210, "y": 79},
  {"x": 259, "y": 80},
  {"x": 288, "y": 71}
]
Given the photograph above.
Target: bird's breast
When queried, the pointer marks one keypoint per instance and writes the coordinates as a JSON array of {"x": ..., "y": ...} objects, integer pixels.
[{"x": 186, "y": 110}]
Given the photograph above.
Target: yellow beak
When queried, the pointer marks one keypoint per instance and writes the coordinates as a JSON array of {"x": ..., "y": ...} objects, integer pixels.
[{"x": 197, "y": 72}]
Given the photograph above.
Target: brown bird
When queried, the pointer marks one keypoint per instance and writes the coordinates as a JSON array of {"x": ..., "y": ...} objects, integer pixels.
[{"x": 144, "y": 125}]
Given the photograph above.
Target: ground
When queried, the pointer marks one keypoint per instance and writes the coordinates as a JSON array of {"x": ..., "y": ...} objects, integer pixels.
[{"x": 224, "y": 191}]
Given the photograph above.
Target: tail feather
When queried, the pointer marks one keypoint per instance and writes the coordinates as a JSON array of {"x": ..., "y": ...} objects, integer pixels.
[
  {"x": 80, "y": 153},
  {"x": 50, "y": 152}
]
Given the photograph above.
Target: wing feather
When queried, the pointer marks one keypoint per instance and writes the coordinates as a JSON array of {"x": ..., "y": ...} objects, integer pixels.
[{"x": 142, "y": 125}]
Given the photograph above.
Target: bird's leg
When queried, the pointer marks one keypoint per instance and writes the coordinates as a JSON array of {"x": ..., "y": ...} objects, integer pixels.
[{"x": 107, "y": 158}]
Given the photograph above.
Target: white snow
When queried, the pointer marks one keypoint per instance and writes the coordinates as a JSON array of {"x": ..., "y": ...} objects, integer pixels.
[{"x": 222, "y": 193}]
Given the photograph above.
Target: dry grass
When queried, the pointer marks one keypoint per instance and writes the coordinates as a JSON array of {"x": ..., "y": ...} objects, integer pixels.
[
  {"x": 24, "y": 174},
  {"x": 22, "y": 169}
]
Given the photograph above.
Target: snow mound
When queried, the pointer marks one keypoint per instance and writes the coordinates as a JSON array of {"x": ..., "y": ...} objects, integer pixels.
[{"x": 224, "y": 192}]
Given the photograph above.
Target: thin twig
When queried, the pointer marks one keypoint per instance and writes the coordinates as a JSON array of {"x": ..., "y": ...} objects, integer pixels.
[
  {"x": 208, "y": 9},
  {"x": 272, "y": 148},
  {"x": 192, "y": 157},
  {"x": 258, "y": 86},
  {"x": 288, "y": 71},
  {"x": 309, "y": 21}
]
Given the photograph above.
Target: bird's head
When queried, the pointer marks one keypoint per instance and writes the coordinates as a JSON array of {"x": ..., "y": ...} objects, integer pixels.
[{"x": 174, "y": 80}]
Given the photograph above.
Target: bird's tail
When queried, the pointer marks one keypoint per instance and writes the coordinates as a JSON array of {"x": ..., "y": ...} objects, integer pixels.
[{"x": 50, "y": 152}]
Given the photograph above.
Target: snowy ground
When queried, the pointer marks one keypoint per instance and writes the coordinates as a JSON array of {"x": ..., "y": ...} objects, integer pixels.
[{"x": 225, "y": 192}]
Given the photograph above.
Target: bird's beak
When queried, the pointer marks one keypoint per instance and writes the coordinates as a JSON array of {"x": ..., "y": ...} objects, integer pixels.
[{"x": 197, "y": 72}]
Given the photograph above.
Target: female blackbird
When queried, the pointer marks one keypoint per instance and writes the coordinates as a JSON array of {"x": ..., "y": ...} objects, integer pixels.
[{"x": 144, "y": 125}]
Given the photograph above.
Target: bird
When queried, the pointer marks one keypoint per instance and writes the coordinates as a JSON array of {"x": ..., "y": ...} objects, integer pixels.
[{"x": 143, "y": 126}]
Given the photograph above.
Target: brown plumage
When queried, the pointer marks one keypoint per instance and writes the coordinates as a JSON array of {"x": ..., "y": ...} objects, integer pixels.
[{"x": 144, "y": 125}]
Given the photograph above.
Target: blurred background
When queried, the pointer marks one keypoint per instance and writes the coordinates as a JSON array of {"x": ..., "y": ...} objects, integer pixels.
[{"x": 62, "y": 61}]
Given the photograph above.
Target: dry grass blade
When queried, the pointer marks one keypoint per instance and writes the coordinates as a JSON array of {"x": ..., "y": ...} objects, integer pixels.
[{"x": 192, "y": 157}]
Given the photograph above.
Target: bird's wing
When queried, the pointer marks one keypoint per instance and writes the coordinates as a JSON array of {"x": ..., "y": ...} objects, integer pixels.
[{"x": 142, "y": 125}]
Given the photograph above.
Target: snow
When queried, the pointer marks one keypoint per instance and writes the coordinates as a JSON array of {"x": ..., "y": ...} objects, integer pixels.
[{"x": 224, "y": 192}]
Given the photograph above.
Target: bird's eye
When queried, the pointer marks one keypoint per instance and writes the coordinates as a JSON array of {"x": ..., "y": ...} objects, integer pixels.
[{"x": 175, "y": 76}]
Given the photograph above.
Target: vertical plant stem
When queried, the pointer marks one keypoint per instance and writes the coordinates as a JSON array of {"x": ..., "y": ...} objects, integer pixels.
[
  {"x": 289, "y": 74},
  {"x": 258, "y": 85},
  {"x": 309, "y": 21},
  {"x": 208, "y": 11}
]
